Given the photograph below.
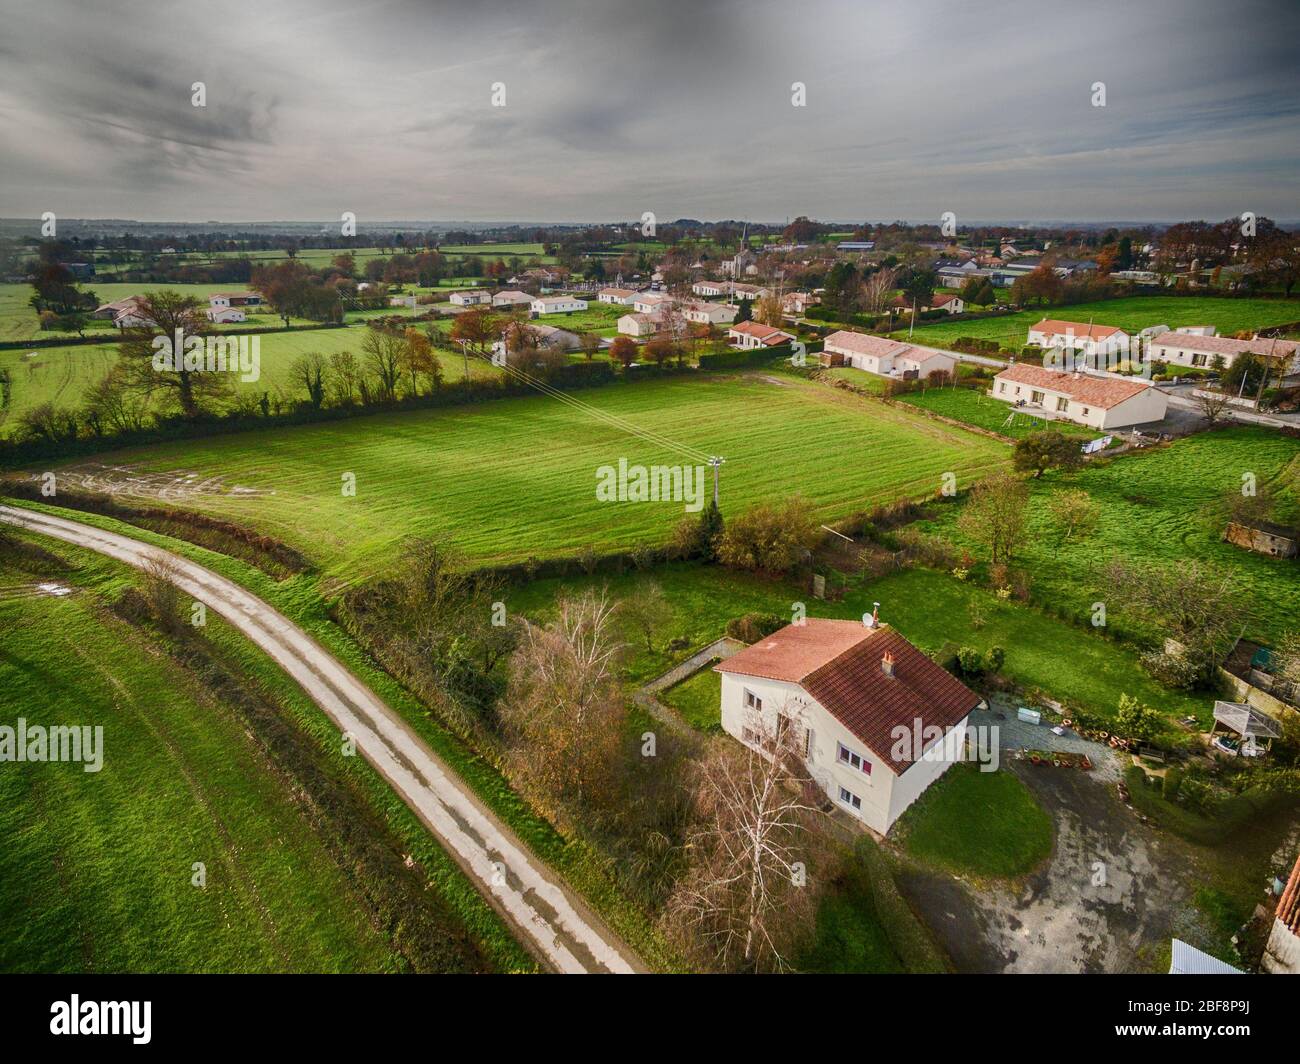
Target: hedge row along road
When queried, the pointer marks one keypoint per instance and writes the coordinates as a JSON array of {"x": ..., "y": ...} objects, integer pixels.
[{"x": 551, "y": 921}]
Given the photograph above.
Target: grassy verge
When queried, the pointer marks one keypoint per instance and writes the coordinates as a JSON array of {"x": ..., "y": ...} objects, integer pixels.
[{"x": 697, "y": 699}]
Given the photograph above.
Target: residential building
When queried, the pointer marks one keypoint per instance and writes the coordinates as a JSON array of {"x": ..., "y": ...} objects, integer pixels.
[
  {"x": 651, "y": 303},
  {"x": 1181, "y": 348},
  {"x": 877, "y": 720},
  {"x": 1088, "y": 340},
  {"x": 798, "y": 302},
  {"x": 711, "y": 288},
  {"x": 744, "y": 263},
  {"x": 509, "y": 299},
  {"x": 746, "y": 291},
  {"x": 110, "y": 311},
  {"x": 855, "y": 245},
  {"x": 235, "y": 299},
  {"x": 1101, "y": 402},
  {"x": 885, "y": 357},
  {"x": 1282, "y": 950},
  {"x": 948, "y": 304},
  {"x": 621, "y": 296},
  {"x": 471, "y": 297},
  {"x": 750, "y": 334},
  {"x": 710, "y": 313},
  {"x": 558, "y": 305},
  {"x": 547, "y": 336},
  {"x": 225, "y": 315},
  {"x": 638, "y": 324}
]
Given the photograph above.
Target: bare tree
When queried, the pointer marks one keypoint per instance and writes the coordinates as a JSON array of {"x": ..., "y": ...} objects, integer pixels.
[
  {"x": 646, "y": 611},
  {"x": 748, "y": 900},
  {"x": 878, "y": 290},
  {"x": 347, "y": 376},
  {"x": 309, "y": 371},
  {"x": 384, "y": 353},
  {"x": 564, "y": 711},
  {"x": 1213, "y": 405},
  {"x": 179, "y": 320}
]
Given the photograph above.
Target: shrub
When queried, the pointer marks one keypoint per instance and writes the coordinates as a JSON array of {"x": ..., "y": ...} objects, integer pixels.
[
  {"x": 970, "y": 660},
  {"x": 994, "y": 659},
  {"x": 770, "y": 538},
  {"x": 1173, "y": 780},
  {"x": 754, "y": 626},
  {"x": 1136, "y": 720}
]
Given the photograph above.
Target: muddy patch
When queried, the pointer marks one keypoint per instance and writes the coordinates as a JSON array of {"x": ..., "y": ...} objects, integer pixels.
[{"x": 176, "y": 485}]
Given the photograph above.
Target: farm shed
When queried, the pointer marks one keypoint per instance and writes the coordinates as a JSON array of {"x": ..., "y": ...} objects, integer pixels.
[
  {"x": 1248, "y": 724},
  {"x": 1263, "y": 537}
]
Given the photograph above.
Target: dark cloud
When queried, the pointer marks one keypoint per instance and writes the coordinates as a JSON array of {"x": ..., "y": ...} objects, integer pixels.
[{"x": 682, "y": 108}]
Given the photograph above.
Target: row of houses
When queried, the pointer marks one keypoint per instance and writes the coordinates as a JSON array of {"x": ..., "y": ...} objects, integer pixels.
[
  {"x": 223, "y": 308},
  {"x": 1196, "y": 346}
]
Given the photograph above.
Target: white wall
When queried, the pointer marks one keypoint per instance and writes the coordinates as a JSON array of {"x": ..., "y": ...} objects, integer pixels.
[
  {"x": 1147, "y": 406},
  {"x": 1282, "y": 954}
]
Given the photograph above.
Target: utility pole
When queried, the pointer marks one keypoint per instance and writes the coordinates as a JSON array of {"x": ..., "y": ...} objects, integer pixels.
[
  {"x": 716, "y": 461},
  {"x": 465, "y": 355}
]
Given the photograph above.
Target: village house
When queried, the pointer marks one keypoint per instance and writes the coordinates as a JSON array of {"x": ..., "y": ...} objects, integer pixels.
[
  {"x": 637, "y": 325},
  {"x": 877, "y": 721},
  {"x": 1084, "y": 398},
  {"x": 651, "y": 303},
  {"x": 509, "y": 299},
  {"x": 750, "y": 334},
  {"x": 1183, "y": 348},
  {"x": 711, "y": 288},
  {"x": 710, "y": 313},
  {"x": 471, "y": 297},
  {"x": 546, "y": 336},
  {"x": 225, "y": 315},
  {"x": 621, "y": 296},
  {"x": 948, "y": 304},
  {"x": 1282, "y": 950},
  {"x": 235, "y": 299},
  {"x": 558, "y": 305},
  {"x": 884, "y": 357},
  {"x": 1088, "y": 340},
  {"x": 110, "y": 311},
  {"x": 746, "y": 291},
  {"x": 743, "y": 263},
  {"x": 798, "y": 302}
]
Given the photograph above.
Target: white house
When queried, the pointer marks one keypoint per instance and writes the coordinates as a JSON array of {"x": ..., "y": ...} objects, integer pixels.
[
  {"x": 639, "y": 324},
  {"x": 471, "y": 297},
  {"x": 750, "y": 334},
  {"x": 1088, "y": 340},
  {"x": 711, "y": 288},
  {"x": 223, "y": 315},
  {"x": 547, "y": 336},
  {"x": 624, "y": 297},
  {"x": 651, "y": 302},
  {"x": 948, "y": 304},
  {"x": 710, "y": 313},
  {"x": 877, "y": 720},
  {"x": 110, "y": 311},
  {"x": 746, "y": 291},
  {"x": 1084, "y": 398},
  {"x": 558, "y": 305},
  {"x": 235, "y": 299},
  {"x": 1180, "y": 348},
  {"x": 509, "y": 298},
  {"x": 885, "y": 357},
  {"x": 798, "y": 302},
  {"x": 1282, "y": 951}
]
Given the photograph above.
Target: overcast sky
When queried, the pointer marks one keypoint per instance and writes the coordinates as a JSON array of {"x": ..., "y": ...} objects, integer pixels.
[{"x": 914, "y": 107}]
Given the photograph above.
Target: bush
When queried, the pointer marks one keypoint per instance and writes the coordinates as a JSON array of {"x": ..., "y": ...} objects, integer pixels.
[
  {"x": 754, "y": 626},
  {"x": 970, "y": 660},
  {"x": 769, "y": 538},
  {"x": 1136, "y": 720},
  {"x": 994, "y": 659},
  {"x": 1173, "y": 780}
]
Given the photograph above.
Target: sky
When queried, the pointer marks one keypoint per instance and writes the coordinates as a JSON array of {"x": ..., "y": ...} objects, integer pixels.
[{"x": 912, "y": 108}]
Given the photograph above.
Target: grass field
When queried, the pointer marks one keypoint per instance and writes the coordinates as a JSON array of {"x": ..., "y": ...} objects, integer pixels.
[
  {"x": 977, "y": 823},
  {"x": 698, "y": 699},
  {"x": 975, "y": 408},
  {"x": 1131, "y": 313},
  {"x": 95, "y": 868},
  {"x": 1168, "y": 505},
  {"x": 512, "y": 478}
]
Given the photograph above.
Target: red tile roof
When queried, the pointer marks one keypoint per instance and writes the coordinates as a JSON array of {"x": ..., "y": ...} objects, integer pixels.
[
  {"x": 862, "y": 344},
  {"x": 765, "y": 333},
  {"x": 1224, "y": 345},
  {"x": 839, "y": 663},
  {"x": 1288, "y": 905},
  {"x": 1062, "y": 328},
  {"x": 1102, "y": 392}
]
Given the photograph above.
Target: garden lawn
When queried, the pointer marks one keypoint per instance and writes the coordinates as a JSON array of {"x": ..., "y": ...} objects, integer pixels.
[
  {"x": 507, "y": 479},
  {"x": 1130, "y": 313},
  {"x": 698, "y": 699},
  {"x": 977, "y": 823}
]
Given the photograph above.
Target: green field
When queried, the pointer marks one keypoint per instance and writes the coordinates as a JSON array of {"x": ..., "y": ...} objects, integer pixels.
[
  {"x": 977, "y": 823},
  {"x": 1131, "y": 313},
  {"x": 512, "y": 478},
  {"x": 698, "y": 699},
  {"x": 95, "y": 869},
  {"x": 1167, "y": 505}
]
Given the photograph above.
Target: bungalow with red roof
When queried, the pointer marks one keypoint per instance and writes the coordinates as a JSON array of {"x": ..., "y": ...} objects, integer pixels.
[
  {"x": 1084, "y": 398},
  {"x": 949, "y": 304},
  {"x": 751, "y": 334},
  {"x": 1088, "y": 340},
  {"x": 1182, "y": 348},
  {"x": 622, "y": 296},
  {"x": 884, "y": 357},
  {"x": 878, "y": 720}
]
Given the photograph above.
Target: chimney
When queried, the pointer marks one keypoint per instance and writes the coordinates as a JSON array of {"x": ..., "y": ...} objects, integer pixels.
[
  {"x": 887, "y": 664},
  {"x": 875, "y": 615}
]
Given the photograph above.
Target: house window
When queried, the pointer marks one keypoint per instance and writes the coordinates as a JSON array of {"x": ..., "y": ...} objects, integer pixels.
[
  {"x": 1002, "y": 387},
  {"x": 852, "y": 759},
  {"x": 752, "y": 701},
  {"x": 749, "y": 735},
  {"x": 850, "y": 799},
  {"x": 1036, "y": 397},
  {"x": 1085, "y": 411},
  {"x": 1198, "y": 360},
  {"x": 1062, "y": 404}
]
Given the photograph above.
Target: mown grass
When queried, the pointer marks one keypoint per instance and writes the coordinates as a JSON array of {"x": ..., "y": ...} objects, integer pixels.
[
  {"x": 95, "y": 871},
  {"x": 977, "y": 823},
  {"x": 1167, "y": 505},
  {"x": 517, "y": 477},
  {"x": 698, "y": 699},
  {"x": 1130, "y": 313}
]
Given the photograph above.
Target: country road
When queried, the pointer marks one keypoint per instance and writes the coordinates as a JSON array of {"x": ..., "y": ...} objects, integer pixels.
[{"x": 553, "y": 922}]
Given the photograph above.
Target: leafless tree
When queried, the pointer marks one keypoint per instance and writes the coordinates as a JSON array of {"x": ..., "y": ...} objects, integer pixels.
[
  {"x": 646, "y": 610},
  {"x": 878, "y": 290},
  {"x": 1213, "y": 405},
  {"x": 749, "y": 898}
]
